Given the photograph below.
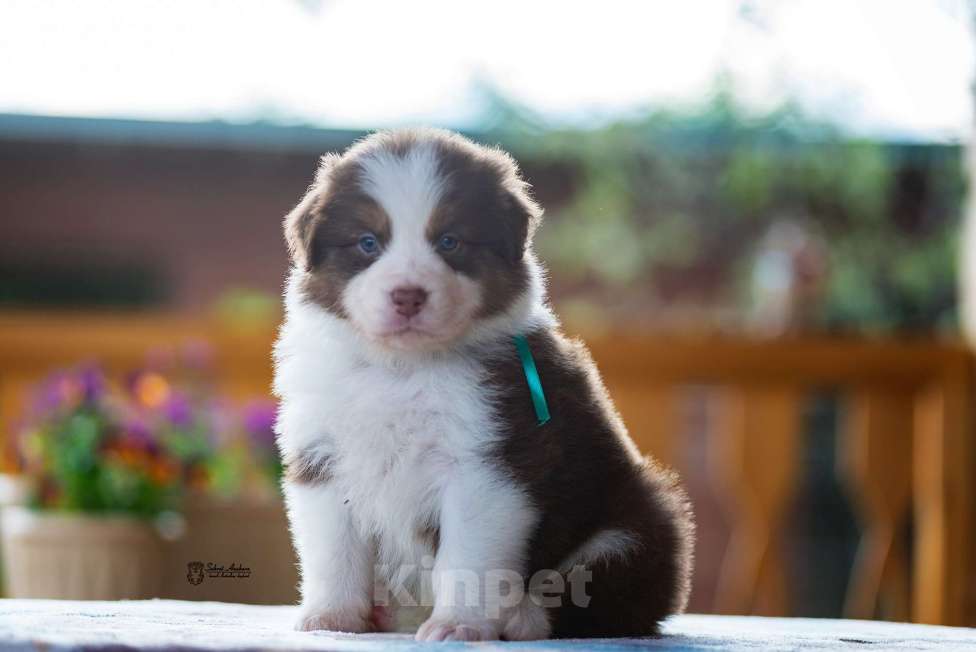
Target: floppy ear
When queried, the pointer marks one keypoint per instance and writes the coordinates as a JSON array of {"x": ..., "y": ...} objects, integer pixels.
[
  {"x": 521, "y": 217},
  {"x": 300, "y": 222}
]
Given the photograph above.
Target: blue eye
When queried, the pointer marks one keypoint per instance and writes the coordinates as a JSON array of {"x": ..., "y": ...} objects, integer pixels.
[
  {"x": 448, "y": 243},
  {"x": 368, "y": 244}
]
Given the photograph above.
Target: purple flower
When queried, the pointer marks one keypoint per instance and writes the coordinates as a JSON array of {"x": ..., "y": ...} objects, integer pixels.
[
  {"x": 221, "y": 419},
  {"x": 178, "y": 410},
  {"x": 92, "y": 382},
  {"x": 66, "y": 389},
  {"x": 138, "y": 433},
  {"x": 259, "y": 421},
  {"x": 49, "y": 396}
]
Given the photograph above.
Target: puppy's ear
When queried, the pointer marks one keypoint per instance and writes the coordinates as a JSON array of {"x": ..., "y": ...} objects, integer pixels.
[
  {"x": 521, "y": 217},
  {"x": 300, "y": 222}
]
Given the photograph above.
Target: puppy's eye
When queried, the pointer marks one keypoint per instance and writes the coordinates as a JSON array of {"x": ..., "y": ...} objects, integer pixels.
[
  {"x": 448, "y": 242},
  {"x": 368, "y": 244}
]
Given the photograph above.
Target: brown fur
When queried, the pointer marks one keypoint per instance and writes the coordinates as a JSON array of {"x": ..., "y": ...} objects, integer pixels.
[
  {"x": 486, "y": 205},
  {"x": 308, "y": 469},
  {"x": 578, "y": 473},
  {"x": 431, "y": 538},
  {"x": 323, "y": 232}
]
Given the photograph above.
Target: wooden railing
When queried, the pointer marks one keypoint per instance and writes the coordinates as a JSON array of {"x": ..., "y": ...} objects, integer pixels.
[{"x": 906, "y": 449}]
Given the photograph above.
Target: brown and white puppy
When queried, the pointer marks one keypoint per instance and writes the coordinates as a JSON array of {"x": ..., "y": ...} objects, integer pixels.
[{"x": 415, "y": 459}]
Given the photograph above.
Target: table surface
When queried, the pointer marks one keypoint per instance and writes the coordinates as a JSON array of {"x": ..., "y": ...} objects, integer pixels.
[{"x": 169, "y": 624}]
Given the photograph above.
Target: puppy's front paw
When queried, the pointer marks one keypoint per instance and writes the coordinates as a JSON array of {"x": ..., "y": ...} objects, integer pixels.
[
  {"x": 351, "y": 619},
  {"x": 527, "y": 622},
  {"x": 457, "y": 628}
]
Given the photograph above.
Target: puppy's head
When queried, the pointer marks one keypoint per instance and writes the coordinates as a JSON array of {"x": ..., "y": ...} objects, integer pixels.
[{"x": 414, "y": 237}]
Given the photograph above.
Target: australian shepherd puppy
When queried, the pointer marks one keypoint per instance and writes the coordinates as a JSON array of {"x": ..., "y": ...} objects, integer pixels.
[{"x": 445, "y": 445}]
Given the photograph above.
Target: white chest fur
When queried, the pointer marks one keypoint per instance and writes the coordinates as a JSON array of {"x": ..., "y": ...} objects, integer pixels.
[
  {"x": 399, "y": 441},
  {"x": 395, "y": 434}
]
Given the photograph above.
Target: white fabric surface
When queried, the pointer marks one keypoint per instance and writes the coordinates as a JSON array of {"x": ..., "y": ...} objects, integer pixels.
[{"x": 168, "y": 624}]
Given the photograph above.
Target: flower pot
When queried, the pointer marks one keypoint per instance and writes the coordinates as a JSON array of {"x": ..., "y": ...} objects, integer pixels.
[
  {"x": 79, "y": 556},
  {"x": 13, "y": 491},
  {"x": 244, "y": 533}
]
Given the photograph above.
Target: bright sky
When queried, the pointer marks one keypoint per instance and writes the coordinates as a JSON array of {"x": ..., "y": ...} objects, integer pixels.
[{"x": 897, "y": 68}]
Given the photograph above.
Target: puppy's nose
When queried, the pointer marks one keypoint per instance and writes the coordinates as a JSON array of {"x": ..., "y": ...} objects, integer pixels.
[{"x": 408, "y": 300}]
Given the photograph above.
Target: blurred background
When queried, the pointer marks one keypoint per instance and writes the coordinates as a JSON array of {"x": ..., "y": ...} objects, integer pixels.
[{"x": 755, "y": 213}]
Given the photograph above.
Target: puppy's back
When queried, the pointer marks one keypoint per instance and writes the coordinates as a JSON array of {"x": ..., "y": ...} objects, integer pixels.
[{"x": 601, "y": 503}]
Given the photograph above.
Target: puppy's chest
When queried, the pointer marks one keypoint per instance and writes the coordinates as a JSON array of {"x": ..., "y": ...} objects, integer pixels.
[{"x": 400, "y": 436}]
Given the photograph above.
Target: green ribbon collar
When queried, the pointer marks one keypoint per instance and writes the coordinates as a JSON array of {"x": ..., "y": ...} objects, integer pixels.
[{"x": 532, "y": 378}]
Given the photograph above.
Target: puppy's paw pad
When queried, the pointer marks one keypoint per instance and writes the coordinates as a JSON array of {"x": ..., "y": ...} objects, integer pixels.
[
  {"x": 333, "y": 620},
  {"x": 382, "y": 620},
  {"x": 436, "y": 629}
]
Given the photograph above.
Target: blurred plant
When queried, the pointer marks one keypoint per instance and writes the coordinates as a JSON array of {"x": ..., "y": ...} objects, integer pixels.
[
  {"x": 85, "y": 449},
  {"x": 671, "y": 209},
  {"x": 247, "y": 462},
  {"x": 141, "y": 446},
  {"x": 787, "y": 279},
  {"x": 246, "y": 309}
]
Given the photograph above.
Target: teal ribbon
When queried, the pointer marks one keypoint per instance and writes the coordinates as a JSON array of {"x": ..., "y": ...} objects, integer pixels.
[{"x": 532, "y": 378}]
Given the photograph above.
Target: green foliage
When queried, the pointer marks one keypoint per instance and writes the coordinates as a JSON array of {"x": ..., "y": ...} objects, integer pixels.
[
  {"x": 669, "y": 208},
  {"x": 81, "y": 459}
]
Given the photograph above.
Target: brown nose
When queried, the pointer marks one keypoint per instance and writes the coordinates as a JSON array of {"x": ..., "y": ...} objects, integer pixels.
[{"x": 408, "y": 300}]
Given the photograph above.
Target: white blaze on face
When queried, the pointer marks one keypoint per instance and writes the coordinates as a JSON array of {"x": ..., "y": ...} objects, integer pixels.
[{"x": 409, "y": 189}]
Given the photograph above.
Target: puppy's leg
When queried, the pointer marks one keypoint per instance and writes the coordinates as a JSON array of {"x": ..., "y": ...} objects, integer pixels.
[
  {"x": 479, "y": 572},
  {"x": 336, "y": 563}
]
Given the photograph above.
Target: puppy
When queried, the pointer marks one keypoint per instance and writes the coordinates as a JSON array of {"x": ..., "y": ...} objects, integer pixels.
[{"x": 442, "y": 439}]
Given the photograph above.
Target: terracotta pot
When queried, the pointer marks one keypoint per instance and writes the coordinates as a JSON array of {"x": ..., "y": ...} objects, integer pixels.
[{"x": 79, "y": 556}]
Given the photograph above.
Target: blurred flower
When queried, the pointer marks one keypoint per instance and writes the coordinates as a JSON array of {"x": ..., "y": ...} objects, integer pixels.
[
  {"x": 151, "y": 389},
  {"x": 259, "y": 421},
  {"x": 129, "y": 455},
  {"x": 92, "y": 383},
  {"x": 178, "y": 410},
  {"x": 163, "y": 471},
  {"x": 47, "y": 396},
  {"x": 57, "y": 392},
  {"x": 137, "y": 433},
  {"x": 137, "y": 447},
  {"x": 222, "y": 422}
]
